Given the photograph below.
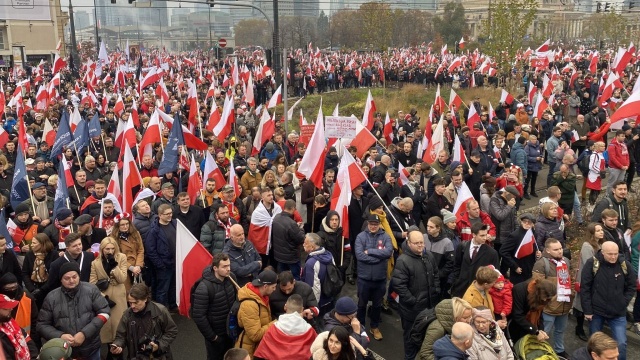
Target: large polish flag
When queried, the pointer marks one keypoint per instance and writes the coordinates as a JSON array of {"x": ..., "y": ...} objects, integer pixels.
[
  {"x": 458, "y": 151},
  {"x": 312, "y": 163},
  {"x": 436, "y": 143},
  {"x": 130, "y": 178},
  {"x": 464, "y": 195},
  {"x": 113, "y": 187},
  {"x": 349, "y": 177},
  {"x": 364, "y": 139},
  {"x": 388, "y": 129},
  {"x": 195, "y": 182},
  {"x": 629, "y": 109},
  {"x": 276, "y": 98},
  {"x": 260, "y": 227},
  {"x": 404, "y": 175},
  {"x": 211, "y": 170},
  {"x": 526, "y": 245},
  {"x": 191, "y": 259},
  {"x": 266, "y": 129},
  {"x": 152, "y": 135}
]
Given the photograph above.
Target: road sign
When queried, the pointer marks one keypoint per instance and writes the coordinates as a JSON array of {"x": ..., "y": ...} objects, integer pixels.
[{"x": 222, "y": 43}]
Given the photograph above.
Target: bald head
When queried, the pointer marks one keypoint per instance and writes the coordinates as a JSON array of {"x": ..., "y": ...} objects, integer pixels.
[
  {"x": 385, "y": 159},
  {"x": 610, "y": 251},
  {"x": 462, "y": 335},
  {"x": 237, "y": 229}
]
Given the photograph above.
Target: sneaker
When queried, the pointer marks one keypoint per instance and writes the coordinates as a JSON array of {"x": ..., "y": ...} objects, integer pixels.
[
  {"x": 376, "y": 334},
  {"x": 636, "y": 328}
]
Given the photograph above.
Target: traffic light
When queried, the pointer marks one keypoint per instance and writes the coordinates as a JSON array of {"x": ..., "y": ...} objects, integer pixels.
[{"x": 599, "y": 7}]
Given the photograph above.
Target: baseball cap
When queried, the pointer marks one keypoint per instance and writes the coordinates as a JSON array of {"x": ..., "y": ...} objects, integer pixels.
[
  {"x": 266, "y": 277},
  {"x": 167, "y": 185},
  {"x": 373, "y": 218},
  {"x": 37, "y": 185},
  {"x": 227, "y": 188},
  {"x": 7, "y": 303}
]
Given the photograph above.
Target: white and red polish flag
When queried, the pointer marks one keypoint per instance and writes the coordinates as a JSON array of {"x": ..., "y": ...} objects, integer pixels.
[
  {"x": 629, "y": 109},
  {"x": 505, "y": 97},
  {"x": 191, "y": 259},
  {"x": 4, "y": 137},
  {"x": 48, "y": 134},
  {"x": 266, "y": 129},
  {"x": 195, "y": 182},
  {"x": 404, "y": 175},
  {"x": 458, "y": 151},
  {"x": 248, "y": 95},
  {"x": 439, "y": 100},
  {"x": 363, "y": 140},
  {"x": 312, "y": 163},
  {"x": 74, "y": 119},
  {"x": 130, "y": 178},
  {"x": 526, "y": 245},
  {"x": 455, "y": 99},
  {"x": 388, "y": 129},
  {"x": 541, "y": 106},
  {"x": 532, "y": 92},
  {"x": 152, "y": 135},
  {"x": 436, "y": 143},
  {"x": 214, "y": 117},
  {"x": 369, "y": 110},
  {"x": 473, "y": 117},
  {"x": 276, "y": 98},
  {"x": 464, "y": 195},
  {"x": 211, "y": 170},
  {"x": 113, "y": 187},
  {"x": 349, "y": 177},
  {"x": 232, "y": 180},
  {"x": 260, "y": 227}
]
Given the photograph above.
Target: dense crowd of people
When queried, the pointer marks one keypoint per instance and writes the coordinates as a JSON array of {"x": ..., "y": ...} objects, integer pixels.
[{"x": 468, "y": 279}]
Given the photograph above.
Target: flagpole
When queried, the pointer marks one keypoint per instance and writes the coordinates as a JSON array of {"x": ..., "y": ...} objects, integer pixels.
[
  {"x": 342, "y": 251},
  {"x": 33, "y": 206},
  {"x": 383, "y": 203},
  {"x": 104, "y": 147}
]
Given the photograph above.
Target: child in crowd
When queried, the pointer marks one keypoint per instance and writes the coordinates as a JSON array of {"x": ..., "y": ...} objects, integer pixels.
[{"x": 502, "y": 297}]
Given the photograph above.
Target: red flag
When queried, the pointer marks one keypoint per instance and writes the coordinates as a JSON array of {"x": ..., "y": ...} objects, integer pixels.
[
  {"x": 195, "y": 182},
  {"x": 436, "y": 143},
  {"x": 629, "y": 109},
  {"x": 232, "y": 179},
  {"x": 505, "y": 97},
  {"x": 363, "y": 141},
  {"x": 223, "y": 128},
  {"x": 526, "y": 245},
  {"x": 349, "y": 177},
  {"x": 112, "y": 188},
  {"x": 4, "y": 137},
  {"x": 118, "y": 109},
  {"x": 276, "y": 98},
  {"x": 151, "y": 135},
  {"x": 473, "y": 117},
  {"x": 454, "y": 99},
  {"x": 464, "y": 195},
  {"x": 541, "y": 106},
  {"x": 214, "y": 118},
  {"x": 191, "y": 259},
  {"x": 439, "y": 100},
  {"x": 48, "y": 134},
  {"x": 593, "y": 65},
  {"x": 388, "y": 129}
]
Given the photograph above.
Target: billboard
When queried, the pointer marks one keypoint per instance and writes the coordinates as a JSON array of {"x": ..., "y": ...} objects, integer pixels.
[{"x": 25, "y": 10}]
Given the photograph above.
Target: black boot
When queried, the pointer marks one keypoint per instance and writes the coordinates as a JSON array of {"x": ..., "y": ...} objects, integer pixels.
[{"x": 580, "y": 325}]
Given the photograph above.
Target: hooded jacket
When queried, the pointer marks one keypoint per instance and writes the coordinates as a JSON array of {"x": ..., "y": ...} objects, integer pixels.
[
  {"x": 533, "y": 152},
  {"x": 442, "y": 250},
  {"x": 416, "y": 280},
  {"x": 547, "y": 228},
  {"x": 286, "y": 237},
  {"x": 503, "y": 215},
  {"x": 437, "y": 329},
  {"x": 254, "y": 316},
  {"x": 289, "y": 338},
  {"x": 210, "y": 312},
  {"x": 333, "y": 242},
  {"x": 315, "y": 271}
]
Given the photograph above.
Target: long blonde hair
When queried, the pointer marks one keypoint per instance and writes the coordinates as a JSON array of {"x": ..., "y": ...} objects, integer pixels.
[{"x": 107, "y": 241}]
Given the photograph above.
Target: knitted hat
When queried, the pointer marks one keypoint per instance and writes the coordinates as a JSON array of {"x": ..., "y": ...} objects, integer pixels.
[
  {"x": 447, "y": 216},
  {"x": 8, "y": 278},
  {"x": 68, "y": 267},
  {"x": 484, "y": 313},
  {"x": 22, "y": 208},
  {"x": 346, "y": 306},
  {"x": 375, "y": 203}
]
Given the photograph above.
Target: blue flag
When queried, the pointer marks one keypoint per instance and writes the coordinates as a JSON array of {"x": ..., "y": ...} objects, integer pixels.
[
  {"x": 81, "y": 136},
  {"x": 62, "y": 193},
  {"x": 169, "y": 161},
  {"x": 19, "y": 187},
  {"x": 5, "y": 231},
  {"x": 63, "y": 137},
  {"x": 94, "y": 126}
]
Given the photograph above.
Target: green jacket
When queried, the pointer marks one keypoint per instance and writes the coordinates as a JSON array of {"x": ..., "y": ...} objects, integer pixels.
[
  {"x": 567, "y": 187},
  {"x": 437, "y": 329}
]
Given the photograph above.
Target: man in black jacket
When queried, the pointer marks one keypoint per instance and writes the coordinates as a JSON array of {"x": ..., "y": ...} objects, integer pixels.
[
  {"x": 607, "y": 285},
  {"x": 212, "y": 301},
  {"x": 389, "y": 189},
  {"x": 191, "y": 216},
  {"x": 286, "y": 238},
  {"x": 288, "y": 286},
  {"x": 469, "y": 256},
  {"x": 245, "y": 260},
  {"x": 415, "y": 278},
  {"x": 358, "y": 204}
]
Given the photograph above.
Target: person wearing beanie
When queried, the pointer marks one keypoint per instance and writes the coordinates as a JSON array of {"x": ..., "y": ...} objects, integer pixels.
[
  {"x": 489, "y": 341},
  {"x": 74, "y": 312},
  {"x": 331, "y": 160},
  {"x": 79, "y": 192},
  {"x": 72, "y": 254},
  {"x": 270, "y": 153},
  {"x": 26, "y": 313},
  {"x": 28, "y": 229},
  {"x": 450, "y": 227},
  {"x": 344, "y": 315}
]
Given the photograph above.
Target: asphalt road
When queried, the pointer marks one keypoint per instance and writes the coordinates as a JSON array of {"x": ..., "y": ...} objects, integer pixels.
[{"x": 190, "y": 345}]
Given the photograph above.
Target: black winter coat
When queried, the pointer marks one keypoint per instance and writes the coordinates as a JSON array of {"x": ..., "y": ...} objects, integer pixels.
[
  {"x": 608, "y": 292},
  {"x": 416, "y": 280},
  {"x": 277, "y": 299},
  {"x": 502, "y": 215},
  {"x": 356, "y": 220},
  {"x": 508, "y": 253},
  {"x": 548, "y": 228},
  {"x": 286, "y": 238},
  {"x": 211, "y": 307},
  {"x": 143, "y": 223},
  {"x": 464, "y": 269},
  {"x": 244, "y": 261},
  {"x": 520, "y": 326}
]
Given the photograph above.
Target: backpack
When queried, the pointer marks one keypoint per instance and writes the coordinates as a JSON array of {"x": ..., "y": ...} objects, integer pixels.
[
  {"x": 333, "y": 281},
  {"x": 233, "y": 326},
  {"x": 596, "y": 266},
  {"x": 193, "y": 291},
  {"x": 583, "y": 162},
  {"x": 420, "y": 325}
]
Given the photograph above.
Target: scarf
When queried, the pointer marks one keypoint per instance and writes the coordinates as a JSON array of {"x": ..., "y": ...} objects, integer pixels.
[
  {"x": 63, "y": 231},
  {"x": 563, "y": 280},
  {"x": 13, "y": 332},
  {"x": 42, "y": 211},
  {"x": 233, "y": 210},
  {"x": 227, "y": 228},
  {"x": 39, "y": 274}
]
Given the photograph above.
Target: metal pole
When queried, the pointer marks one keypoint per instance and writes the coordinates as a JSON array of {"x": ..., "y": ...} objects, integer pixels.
[
  {"x": 74, "y": 47},
  {"x": 95, "y": 10},
  {"x": 210, "y": 35},
  {"x": 285, "y": 93},
  {"x": 160, "y": 22},
  {"x": 276, "y": 44}
]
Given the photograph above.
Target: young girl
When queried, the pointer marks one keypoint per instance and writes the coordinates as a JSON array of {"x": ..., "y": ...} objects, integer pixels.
[
  {"x": 502, "y": 297},
  {"x": 594, "y": 181}
]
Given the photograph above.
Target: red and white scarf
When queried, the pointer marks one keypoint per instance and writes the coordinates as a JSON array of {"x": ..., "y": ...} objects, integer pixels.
[
  {"x": 13, "y": 332},
  {"x": 563, "y": 280},
  {"x": 63, "y": 231}
]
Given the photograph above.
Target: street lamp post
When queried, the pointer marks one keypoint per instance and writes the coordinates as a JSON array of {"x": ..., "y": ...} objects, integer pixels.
[
  {"x": 75, "y": 60},
  {"x": 160, "y": 22}
]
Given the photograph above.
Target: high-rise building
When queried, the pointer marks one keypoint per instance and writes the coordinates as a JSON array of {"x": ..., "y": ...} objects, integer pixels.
[
  {"x": 306, "y": 8},
  {"x": 151, "y": 12},
  {"x": 81, "y": 19}
]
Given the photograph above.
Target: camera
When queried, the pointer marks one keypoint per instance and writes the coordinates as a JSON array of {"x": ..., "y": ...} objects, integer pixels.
[{"x": 144, "y": 345}]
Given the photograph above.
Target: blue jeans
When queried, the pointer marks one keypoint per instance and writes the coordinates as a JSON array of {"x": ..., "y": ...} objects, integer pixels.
[
  {"x": 618, "y": 327},
  {"x": 558, "y": 324},
  {"x": 94, "y": 356},
  {"x": 576, "y": 208},
  {"x": 165, "y": 289},
  {"x": 294, "y": 268},
  {"x": 552, "y": 166},
  {"x": 373, "y": 291}
]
